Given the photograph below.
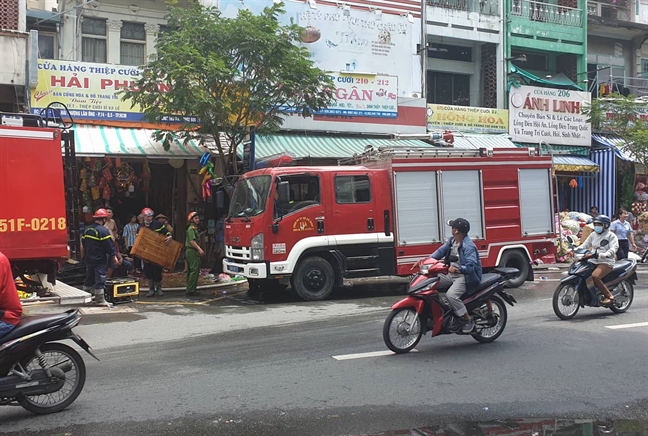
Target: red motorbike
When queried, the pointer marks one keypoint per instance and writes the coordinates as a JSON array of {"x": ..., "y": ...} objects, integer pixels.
[{"x": 426, "y": 309}]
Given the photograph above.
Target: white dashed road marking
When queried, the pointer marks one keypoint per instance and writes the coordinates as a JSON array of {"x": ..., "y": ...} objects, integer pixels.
[
  {"x": 363, "y": 355},
  {"x": 627, "y": 326}
]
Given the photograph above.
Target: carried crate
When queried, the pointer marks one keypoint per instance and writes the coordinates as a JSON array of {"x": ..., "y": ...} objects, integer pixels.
[{"x": 150, "y": 247}]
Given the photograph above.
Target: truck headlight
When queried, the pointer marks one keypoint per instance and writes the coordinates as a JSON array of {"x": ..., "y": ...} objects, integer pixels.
[{"x": 257, "y": 247}]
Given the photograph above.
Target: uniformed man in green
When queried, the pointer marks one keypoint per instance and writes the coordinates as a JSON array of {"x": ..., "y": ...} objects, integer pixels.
[{"x": 193, "y": 252}]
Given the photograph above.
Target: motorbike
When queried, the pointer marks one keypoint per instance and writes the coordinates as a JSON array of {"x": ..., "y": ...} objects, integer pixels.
[
  {"x": 577, "y": 289},
  {"x": 39, "y": 374},
  {"x": 426, "y": 309}
]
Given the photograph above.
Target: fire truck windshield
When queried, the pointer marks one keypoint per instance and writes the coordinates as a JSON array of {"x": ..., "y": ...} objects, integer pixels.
[{"x": 250, "y": 196}]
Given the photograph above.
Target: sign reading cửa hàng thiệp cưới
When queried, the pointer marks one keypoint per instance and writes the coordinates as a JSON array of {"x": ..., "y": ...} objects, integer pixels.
[{"x": 548, "y": 114}]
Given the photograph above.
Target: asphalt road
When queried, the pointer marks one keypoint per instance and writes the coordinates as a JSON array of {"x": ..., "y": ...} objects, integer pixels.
[{"x": 238, "y": 366}]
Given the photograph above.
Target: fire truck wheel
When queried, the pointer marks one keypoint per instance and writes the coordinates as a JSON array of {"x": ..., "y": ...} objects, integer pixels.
[
  {"x": 313, "y": 279},
  {"x": 516, "y": 259}
]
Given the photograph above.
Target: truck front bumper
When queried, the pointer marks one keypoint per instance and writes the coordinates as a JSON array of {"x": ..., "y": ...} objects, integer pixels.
[{"x": 248, "y": 270}]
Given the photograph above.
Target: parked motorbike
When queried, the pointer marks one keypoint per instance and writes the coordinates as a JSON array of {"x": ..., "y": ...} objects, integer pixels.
[
  {"x": 425, "y": 309},
  {"x": 577, "y": 289},
  {"x": 39, "y": 374}
]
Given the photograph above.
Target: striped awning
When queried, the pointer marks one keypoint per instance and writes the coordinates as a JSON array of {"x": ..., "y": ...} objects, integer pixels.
[
  {"x": 96, "y": 141},
  {"x": 616, "y": 142},
  {"x": 476, "y": 142},
  {"x": 324, "y": 146},
  {"x": 575, "y": 164}
]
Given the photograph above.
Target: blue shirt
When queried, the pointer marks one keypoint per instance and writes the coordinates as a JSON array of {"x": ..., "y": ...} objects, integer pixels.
[
  {"x": 621, "y": 230},
  {"x": 130, "y": 233}
]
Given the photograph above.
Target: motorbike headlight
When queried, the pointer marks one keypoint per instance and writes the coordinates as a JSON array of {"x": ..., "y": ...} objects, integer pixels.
[{"x": 257, "y": 247}]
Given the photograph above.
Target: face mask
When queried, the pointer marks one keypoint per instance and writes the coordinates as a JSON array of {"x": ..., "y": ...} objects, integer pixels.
[{"x": 598, "y": 229}]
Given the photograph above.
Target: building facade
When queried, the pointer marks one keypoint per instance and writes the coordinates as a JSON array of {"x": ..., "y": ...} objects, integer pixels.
[{"x": 15, "y": 43}]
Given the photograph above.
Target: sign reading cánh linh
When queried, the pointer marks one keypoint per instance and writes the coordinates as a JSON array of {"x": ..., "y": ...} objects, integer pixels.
[{"x": 548, "y": 114}]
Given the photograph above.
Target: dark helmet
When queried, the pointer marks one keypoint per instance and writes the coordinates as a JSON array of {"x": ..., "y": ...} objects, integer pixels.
[
  {"x": 460, "y": 224},
  {"x": 602, "y": 219}
]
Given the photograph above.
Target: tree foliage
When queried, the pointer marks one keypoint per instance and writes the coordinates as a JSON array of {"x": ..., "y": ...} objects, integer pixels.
[
  {"x": 623, "y": 116},
  {"x": 229, "y": 73}
]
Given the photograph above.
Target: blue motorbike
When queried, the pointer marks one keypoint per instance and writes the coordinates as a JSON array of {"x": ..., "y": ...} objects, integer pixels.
[{"x": 577, "y": 289}]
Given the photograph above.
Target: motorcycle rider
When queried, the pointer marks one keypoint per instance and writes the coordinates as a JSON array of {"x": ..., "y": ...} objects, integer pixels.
[
  {"x": 10, "y": 307},
  {"x": 465, "y": 270},
  {"x": 605, "y": 243},
  {"x": 97, "y": 247}
]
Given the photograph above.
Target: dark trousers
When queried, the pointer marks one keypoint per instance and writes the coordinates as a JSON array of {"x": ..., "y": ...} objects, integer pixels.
[
  {"x": 95, "y": 276},
  {"x": 153, "y": 272},
  {"x": 624, "y": 249}
]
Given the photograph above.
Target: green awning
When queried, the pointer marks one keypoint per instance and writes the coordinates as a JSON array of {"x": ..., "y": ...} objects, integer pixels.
[
  {"x": 559, "y": 149},
  {"x": 324, "y": 146},
  {"x": 559, "y": 80}
]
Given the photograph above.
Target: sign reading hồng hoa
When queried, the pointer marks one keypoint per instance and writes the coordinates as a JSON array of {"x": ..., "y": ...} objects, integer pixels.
[
  {"x": 365, "y": 95},
  {"x": 548, "y": 114},
  {"x": 89, "y": 90},
  {"x": 467, "y": 119}
]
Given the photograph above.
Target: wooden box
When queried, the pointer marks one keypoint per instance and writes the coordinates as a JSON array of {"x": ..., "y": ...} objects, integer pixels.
[{"x": 150, "y": 247}]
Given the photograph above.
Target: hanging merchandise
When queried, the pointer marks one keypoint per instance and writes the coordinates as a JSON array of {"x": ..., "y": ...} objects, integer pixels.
[
  {"x": 102, "y": 183},
  {"x": 95, "y": 193},
  {"x": 124, "y": 175},
  {"x": 108, "y": 162},
  {"x": 573, "y": 183},
  {"x": 106, "y": 193},
  {"x": 107, "y": 174},
  {"x": 207, "y": 171},
  {"x": 146, "y": 177}
]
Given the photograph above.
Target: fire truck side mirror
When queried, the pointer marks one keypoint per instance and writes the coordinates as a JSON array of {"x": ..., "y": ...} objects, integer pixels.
[
  {"x": 220, "y": 199},
  {"x": 283, "y": 191}
]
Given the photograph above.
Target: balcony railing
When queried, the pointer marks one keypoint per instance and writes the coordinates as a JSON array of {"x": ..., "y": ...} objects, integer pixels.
[
  {"x": 547, "y": 13},
  {"x": 604, "y": 10},
  {"x": 487, "y": 7}
]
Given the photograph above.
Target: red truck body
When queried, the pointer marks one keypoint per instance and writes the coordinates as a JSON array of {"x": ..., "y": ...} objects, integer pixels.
[
  {"x": 382, "y": 217},
  {"x": 33, "y": 223}
]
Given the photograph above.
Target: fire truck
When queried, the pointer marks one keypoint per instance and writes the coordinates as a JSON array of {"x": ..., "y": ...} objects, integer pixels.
[
  {"x": 38, "y": 229},
  {"x": 313, "y": 227}
]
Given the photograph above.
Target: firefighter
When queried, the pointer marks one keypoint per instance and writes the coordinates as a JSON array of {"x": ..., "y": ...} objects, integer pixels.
[
  {"x": 98, "y": 247},
  {"x": 152, "y": 271}
]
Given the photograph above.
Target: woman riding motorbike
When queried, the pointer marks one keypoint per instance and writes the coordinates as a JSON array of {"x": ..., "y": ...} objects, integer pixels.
[{"x": 606, "y": 244}]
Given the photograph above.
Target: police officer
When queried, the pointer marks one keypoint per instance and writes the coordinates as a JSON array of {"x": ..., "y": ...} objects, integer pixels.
[
  {"x": 152, "y": 271},
  {"x": 98, "y": 246}
]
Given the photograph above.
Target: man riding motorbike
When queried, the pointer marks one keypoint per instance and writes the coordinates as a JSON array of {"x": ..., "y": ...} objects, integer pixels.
[
  {"x": 465, "y": 271},
  {"x": 606, "y": 244}
]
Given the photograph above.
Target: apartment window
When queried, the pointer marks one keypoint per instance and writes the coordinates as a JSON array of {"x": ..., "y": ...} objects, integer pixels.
[
  {"x": 133, "y": 44},
  {"x": 446, "y": 88},
  {"x": 93, "y": 41},
  {"x": 533, "y": 62},
  {"x": 46, "y": 46},
  {"x": 644, "y": 68},
  {"x": 450, "y": 52}
]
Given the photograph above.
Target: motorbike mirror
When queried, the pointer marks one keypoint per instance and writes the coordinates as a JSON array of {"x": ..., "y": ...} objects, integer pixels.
[{"x": 283, "y": 192}]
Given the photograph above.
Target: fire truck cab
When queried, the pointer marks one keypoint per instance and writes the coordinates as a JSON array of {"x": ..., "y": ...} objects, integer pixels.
[{"x": 312, "y": 227}]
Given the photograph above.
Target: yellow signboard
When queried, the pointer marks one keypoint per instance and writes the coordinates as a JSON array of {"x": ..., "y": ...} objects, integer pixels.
[{"x": 467, "y": 119}]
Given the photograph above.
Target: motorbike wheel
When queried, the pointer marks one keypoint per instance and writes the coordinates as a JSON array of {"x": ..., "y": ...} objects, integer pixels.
[
  {"x": 566, "y": 301},
  {"x": 622, "y": 297},
  {"x": 66, "y": 358},
  {"x": 489, "y": 334},
  {"x": 403, "y": 329}
]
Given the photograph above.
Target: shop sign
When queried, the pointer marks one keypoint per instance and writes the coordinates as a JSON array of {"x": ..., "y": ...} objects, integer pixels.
[
  {"x": 548, "y": 114},
  {"x": 467, "y": 119},
  {"x": 88, "y": 90},
  {"x": 351, "y": 40}
]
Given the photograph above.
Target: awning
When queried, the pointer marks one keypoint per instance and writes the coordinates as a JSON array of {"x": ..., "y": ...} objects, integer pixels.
[
  {"x": 615, "y": 142},
  {"x": 476, "y": 142},
  {"x": 96, "y": 141},
  {"x": 324, "y": 146},
  {"x": 560, "y": 149},
  {"x": 575, "y": 164},
  {"x": 559, "y": 79}
]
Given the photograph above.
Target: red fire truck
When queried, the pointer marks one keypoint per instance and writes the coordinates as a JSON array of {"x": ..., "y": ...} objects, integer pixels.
[
  {"x": 35, "y": 225},
  {"x": 312, "y": 227}
]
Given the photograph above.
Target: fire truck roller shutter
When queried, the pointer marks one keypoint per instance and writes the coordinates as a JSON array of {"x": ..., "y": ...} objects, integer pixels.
[{"x": 516, "y": 257}]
